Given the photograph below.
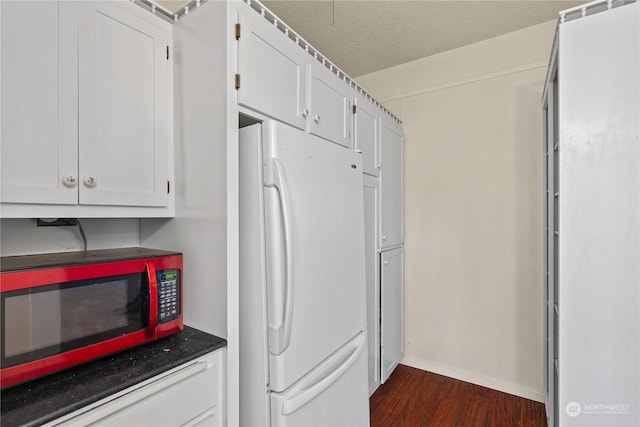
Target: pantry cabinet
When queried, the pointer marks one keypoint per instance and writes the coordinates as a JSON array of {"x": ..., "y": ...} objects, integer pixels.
[
  {"x": 372, "y": 275},
  {"x": 391, "y": 310},
  {"x": 391, "y": 184},
  {"x": 188, "y": 395},
  {"x": 86, "y": 113},
  {"x": 591, "y": 160}
]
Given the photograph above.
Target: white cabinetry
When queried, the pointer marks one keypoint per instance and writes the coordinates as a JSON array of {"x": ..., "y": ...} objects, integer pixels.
[
  {"x": 190, "y": 395},
  {"x": 39, "y": 87},
  {"x": 591, "y": 108},
  {"x": 85, "y": 109},
  {"x": 278, "y": 78},
  {"x": 272, "y": 75},
  {"x": 372, "y": 261},
  {"x": 367, "y": 134},
  {"x": 124, "y": 107},
  {"x": 391, "y": 310},
  {"x": 329, "y": 106},
  {"x": 391, "y": 189}
]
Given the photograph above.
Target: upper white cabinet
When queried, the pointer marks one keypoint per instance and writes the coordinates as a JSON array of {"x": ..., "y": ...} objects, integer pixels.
[
  {"x": 39, "y": 142},
  {"x": 367, "y": 134},
  {"x": 391, "y": 188},
  {"x": 272, "y": 75},
  {"x": 86, "y": 112},
  {"x": 124, "y": 107},
  {"x": 279, "y": 79},
  {"x": 329, "y": 106}
]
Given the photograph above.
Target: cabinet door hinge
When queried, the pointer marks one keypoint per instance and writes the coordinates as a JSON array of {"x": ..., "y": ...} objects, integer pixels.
[
  {"x": 167, "y": 52},
  {"x": 354, "y": 108},
  {"x": 168, "y": 187},
  {"x": 237, "y": 81},
  {"x": 238, "y": 31}
]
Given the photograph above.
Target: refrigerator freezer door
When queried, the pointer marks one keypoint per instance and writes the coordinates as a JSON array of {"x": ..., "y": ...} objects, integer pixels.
[
  {"x": 314, "y": 226},
  {"x": 333, "y": 394}
]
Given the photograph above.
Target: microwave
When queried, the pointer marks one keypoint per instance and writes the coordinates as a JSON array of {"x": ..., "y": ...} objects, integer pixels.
[{"x": 63, "y": 309}]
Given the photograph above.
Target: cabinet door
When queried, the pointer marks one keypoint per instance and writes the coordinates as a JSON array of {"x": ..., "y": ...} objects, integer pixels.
[
  {"x": 124, "y": 106},
  {"x": 372, "y": 265},
  {"x": 391, "y": 209},
  {"x": 272, "y": 72},
  {"x": 39, "y": 101},
  {"x": 329, "y": 106},
  {"x": 367, "y": 130},
  {"x": 392, "y": 310},
  {"x": 190, "y": 394}
]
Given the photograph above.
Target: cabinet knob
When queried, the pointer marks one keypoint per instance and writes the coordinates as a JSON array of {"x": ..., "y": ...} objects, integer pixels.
[
  {"x": 316, "y": 118},
  {"x": 69, "y": 181},
  {"x": 305, "y": 113},
  {"x": 384, "y": 237},
  {"x": 386, "y": 262},
  {"x": 90, "y": 181}
]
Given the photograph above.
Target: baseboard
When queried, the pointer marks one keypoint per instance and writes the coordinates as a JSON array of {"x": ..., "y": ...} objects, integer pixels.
[{"x": 474, "y": 378}]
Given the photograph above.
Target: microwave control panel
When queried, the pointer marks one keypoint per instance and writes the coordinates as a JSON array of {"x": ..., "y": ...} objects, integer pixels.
[{"x": 168, "y": 295}]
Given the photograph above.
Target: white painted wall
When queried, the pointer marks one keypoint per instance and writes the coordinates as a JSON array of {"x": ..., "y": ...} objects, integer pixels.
[
  {"x": 473, "y": 203},
  {"x": 23, "y": 237}
]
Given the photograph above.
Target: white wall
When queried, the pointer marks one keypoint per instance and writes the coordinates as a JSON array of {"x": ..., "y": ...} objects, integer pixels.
[
  {"x": 23, "y": 237},
  {"x": 473, "y": 203}
]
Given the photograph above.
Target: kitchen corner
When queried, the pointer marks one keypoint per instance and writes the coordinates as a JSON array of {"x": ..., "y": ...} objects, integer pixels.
[{"x": 82, "y": 388}]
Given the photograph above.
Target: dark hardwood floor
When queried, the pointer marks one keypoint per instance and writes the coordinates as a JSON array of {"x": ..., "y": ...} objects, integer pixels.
[{"x": 412, "y": 397}]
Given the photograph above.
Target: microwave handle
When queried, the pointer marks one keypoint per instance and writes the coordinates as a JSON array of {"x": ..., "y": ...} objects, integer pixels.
[{"x": 153, "y": 300}]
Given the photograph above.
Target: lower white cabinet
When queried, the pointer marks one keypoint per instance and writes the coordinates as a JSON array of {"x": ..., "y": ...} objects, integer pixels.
[
  {"x": 391, "y": 310},
  {"x": 192, "y": 394}
]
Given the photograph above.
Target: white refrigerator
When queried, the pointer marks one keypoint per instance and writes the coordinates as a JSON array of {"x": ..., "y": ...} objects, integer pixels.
[{"x": 303, "y": 359}]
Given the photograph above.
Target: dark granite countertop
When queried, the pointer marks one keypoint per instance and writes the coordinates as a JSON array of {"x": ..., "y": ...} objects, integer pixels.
[{"x": 45, "y": 399}]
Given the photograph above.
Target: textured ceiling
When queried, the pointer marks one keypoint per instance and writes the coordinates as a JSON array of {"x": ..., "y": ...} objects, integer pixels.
[{"x": 364, "y": 36}]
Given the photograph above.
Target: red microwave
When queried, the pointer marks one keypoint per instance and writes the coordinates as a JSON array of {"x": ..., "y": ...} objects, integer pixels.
[{"x": 59, "y": 310}]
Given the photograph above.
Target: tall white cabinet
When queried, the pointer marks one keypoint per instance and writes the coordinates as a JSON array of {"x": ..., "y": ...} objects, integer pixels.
[
  {"x": 591, "y": 112},
  {"x": 380, "y": 139}
]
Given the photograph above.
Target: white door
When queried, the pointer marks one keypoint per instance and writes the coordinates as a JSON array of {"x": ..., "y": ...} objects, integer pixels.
[
  {"x": 392, "y": 310},
  {"x": 272, "y": 72},
  {"x": 367, "y": 133},
  {"x": 391, "y": 210},
  {"x": 39, "y": 142},
  {"x": 124, "y": 109},
  {"x": 315, "y": 250},
  {"x": 333, "y": 394},
  {"x": 373, "y": 282},
  {"x": 330, "y": 106}
]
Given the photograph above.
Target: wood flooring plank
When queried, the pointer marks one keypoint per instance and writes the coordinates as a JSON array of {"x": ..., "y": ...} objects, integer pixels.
[
  {"x": 445, "y": 408},
  {"x": 393, "y": 395},
  {"x": 422, "y": 400},
  {"x": 474, "y": 406},
  {"x": 412, "y": 397},
  {"x": 532, "y": 414},
  {"x": 504, "y": 410}
]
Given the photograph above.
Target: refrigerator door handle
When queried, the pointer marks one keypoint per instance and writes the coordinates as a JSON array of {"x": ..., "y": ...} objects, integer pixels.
[
  {"x": 328, "y": 374},
  {"x": 280, "y": 336}
]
